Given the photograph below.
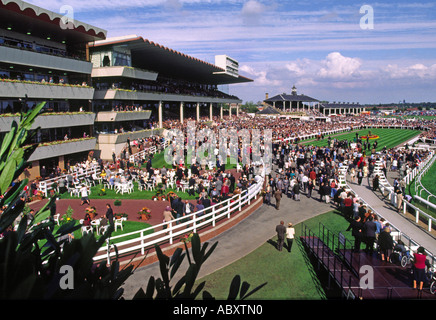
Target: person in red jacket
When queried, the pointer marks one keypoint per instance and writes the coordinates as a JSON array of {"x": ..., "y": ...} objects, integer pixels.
[
  {"x": 348, "y": 206},
  {"x": 419, "y": 267}
]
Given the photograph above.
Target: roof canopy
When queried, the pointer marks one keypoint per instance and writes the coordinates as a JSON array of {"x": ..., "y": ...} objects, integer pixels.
[
  {"x": 152, "y": 56},
  {"x": 268, "y": 110},
  {"x": 25, "y": 18},
  {"x": 291, "y": 97}
]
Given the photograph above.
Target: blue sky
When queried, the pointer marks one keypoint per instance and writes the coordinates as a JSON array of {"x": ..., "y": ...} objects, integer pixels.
[{"x": 323, "y": 47}]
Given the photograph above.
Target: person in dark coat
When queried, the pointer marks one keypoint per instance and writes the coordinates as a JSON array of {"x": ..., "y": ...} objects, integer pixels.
[
  {"x": 385, "y": 244},
  {"x": 178, "y": 208},
  {"x": 375, "y": 183},
  {"x": 369, "y": 230},
  {"x": 109, "y": 213},
  {"x": 278, "y": 197},
  {"x": 356, "y": 227},
  {"x": 281, "y": 232}
]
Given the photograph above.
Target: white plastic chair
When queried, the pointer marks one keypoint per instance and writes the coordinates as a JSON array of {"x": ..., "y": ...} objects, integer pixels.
[
  {"x": 130, "y": 187},
  {"x": 103, "y": 229},
  {"x": 118, "y": 223},
  {"x": 56, "y": 218},
  {"x": 87, "y": 229}
]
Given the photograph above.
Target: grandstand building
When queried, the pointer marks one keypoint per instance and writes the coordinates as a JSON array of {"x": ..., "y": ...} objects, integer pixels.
[
  {"x": 98, "y": 91},
  {"x": 43, "y": 57},
  {"x": 139, "y": 84}
]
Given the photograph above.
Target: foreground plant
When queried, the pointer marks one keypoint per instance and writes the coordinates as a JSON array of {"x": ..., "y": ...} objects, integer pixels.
[
  {"x": 162, "y": 288},
  {"x": 40, "y": 261}
]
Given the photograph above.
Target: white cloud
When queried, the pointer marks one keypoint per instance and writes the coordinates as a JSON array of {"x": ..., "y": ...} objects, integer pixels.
[
  {"x": 252, "y": 12},
  {"x": 261, "y": 77},
  {"x": 419, "y": 70},
  {"x": 336, "y": 66}
]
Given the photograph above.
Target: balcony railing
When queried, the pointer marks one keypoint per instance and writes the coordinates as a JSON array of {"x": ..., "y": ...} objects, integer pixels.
[
  {"x": 43, "y": 90},
  {"x": 44, "y": 60},
  {"x": 114, "y": 116},
  {"x": 51, "y": 120},
  {"x": 63, "y": 147},
  {"x": 126, "y": 94}
]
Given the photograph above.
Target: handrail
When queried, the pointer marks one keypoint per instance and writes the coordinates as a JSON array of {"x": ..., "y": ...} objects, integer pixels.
[
  {"x": 178, "y": 227},
  {"x": 44, "y": 186},
  {"x": 141, "y": 154},
  {"x": 412, "y": 244},
  {"x": 418, "y": 182}
]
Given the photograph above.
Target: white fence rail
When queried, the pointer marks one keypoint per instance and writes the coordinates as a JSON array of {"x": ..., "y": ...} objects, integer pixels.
[
  {"x": 134, "y": 158},
  {"x": 419, "y": 187},
  {"x": 396, "y": 232},
  {"x": 46, "y": 185},
  {"x": 146, "y": 238},
  {"x": 388, "y": 190}
]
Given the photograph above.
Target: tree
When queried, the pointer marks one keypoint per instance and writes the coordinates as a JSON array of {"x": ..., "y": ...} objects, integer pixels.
[{"x": 39, "y": 261}]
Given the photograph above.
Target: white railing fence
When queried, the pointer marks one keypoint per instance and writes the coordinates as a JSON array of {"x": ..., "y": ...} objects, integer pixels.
[
  {"x": 46, "y": 185},
  {"x": 419, "y": 187},
  {"x": 396, "y": 233},
  {"x": 388, "y": 190},
  {"x": 146, "y": 238},
  {"x": 134, "y": 158}
]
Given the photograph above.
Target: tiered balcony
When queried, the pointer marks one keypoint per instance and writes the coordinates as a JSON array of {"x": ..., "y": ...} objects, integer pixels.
[
  {"x": 123, "y": 71},
  {"x": 133, "y": 95},
  {"x": 44, "y": 61},
  {"x": 43, "y": 90},
  {"x": 116, "y": 116},
  {"x": 51, "y": 120},
  {"x": 61, "y": 148}
]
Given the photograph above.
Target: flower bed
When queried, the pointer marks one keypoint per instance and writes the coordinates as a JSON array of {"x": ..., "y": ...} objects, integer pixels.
[
  {"x": 144, "y": 214},
  {"x": 370, "y": 137}
]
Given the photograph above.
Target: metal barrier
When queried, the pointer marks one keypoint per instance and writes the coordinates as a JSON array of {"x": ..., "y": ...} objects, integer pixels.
[{"x": 332, "y": 263}]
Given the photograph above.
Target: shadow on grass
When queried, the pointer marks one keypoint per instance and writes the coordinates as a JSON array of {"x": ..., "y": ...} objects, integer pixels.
[{"x": 315, "y": 277}]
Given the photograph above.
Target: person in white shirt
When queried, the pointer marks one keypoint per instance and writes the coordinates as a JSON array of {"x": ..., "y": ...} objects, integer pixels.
[
  {"x": 84, "y": 193},
  {"x": 290, "y": 232}
]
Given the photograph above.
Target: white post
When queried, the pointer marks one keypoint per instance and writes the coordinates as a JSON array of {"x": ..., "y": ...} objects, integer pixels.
[
  {"x": 171, "y": 233},
  {"x": 160, "y": 113},
  {"x": 210, "y": 112},
  {"x": 142, "y": 243},
  {"x": 108, "y": 259}
]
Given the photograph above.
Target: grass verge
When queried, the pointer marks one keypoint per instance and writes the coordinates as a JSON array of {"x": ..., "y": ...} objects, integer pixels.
[{"x": 289, "y": 276}]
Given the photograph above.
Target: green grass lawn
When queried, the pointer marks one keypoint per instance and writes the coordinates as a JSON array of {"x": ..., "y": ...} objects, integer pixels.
[
  {"x": 428, "y": 182},
  {"x": 289, "y": 276},
  {"x": 387, "y": 137}
]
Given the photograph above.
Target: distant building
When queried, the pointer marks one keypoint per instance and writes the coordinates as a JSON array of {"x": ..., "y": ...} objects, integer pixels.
[
  {"x": 302, "y": 104},
  {"x": 292, "y": 102}
]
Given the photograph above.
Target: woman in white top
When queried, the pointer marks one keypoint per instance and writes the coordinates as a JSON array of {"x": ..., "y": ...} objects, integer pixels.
[{"x": 290, "y": 232}]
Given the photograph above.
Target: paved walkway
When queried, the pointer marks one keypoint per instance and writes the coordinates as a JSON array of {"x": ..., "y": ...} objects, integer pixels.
[
  {"x": 240, "y": 240},
  {"x": 259, "y": 227},
  {"x": 383, "y": 207}
]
